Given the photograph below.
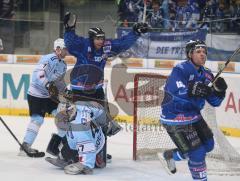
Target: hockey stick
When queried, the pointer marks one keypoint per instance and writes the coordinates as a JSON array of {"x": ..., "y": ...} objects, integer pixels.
[
  {"x": 144, "y": 11},
  {"x": 36, "y": 155},
  {"x": 225, "y": 65}
]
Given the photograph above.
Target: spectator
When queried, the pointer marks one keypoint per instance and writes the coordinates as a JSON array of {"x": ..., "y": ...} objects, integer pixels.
[
  {"x": 7, "y": 27},
  {"x": 128, "y": 11},
  {"x": 235, "y": 15},
  {"x": 183, "y": 13},
  {"x": 155, "y": 17},
  {"x": 220, "y": 15},
  {"x": 194, "y": 14}
]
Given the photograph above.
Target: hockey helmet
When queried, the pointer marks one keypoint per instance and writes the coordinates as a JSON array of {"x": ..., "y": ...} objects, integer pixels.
[
  {"x": 96, "y": 33},
  {"x": 59, "y": 43},
  {"x": 193, "y": 45}
]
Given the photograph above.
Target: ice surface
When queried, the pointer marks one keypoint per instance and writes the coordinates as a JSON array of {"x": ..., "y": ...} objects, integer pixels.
[{"x": 122, "y": 168}]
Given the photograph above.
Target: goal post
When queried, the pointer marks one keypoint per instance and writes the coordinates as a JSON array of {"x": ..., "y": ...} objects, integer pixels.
[
  {"x": 151, "y": 97},
  {"x": 149, "y": 136}
]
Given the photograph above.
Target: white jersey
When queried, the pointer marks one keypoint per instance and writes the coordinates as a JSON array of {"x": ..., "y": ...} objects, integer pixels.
[
  {"x": 49, "y": 68},
  {"x": 81, "y": 135}
]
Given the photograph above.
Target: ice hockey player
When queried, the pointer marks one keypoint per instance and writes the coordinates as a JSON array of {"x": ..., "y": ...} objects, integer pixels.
[
  {"x": 47, "y": 80},
  {"x": 76, "y": 152},
  {"x": 92, "y": 53},
  {"x": 186, "y": 91}
]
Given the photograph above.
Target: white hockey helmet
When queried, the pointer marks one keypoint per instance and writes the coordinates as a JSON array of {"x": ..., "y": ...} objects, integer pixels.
[{"x": 59, "y": 43}]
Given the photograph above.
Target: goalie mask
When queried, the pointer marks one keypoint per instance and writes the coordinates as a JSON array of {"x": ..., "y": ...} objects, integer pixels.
[
  {"x": 193, "y": 45},
  {"x": 66, "y": 112}
]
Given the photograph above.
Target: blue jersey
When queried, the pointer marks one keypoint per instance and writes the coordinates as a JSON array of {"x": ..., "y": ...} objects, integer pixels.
[
  {"x": 91, "y": 62},
  {"x": 177, "y": 107}
]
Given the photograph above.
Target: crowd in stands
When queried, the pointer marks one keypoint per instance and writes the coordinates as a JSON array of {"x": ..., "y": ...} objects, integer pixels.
[{"x": 171, "y": 15}]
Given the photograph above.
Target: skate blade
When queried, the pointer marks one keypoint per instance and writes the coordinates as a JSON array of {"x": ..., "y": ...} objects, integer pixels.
[{"x": 22, "y": 153}]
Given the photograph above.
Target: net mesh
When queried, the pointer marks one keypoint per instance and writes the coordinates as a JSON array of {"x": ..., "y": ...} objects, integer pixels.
[{"x": 151, "y": 138}]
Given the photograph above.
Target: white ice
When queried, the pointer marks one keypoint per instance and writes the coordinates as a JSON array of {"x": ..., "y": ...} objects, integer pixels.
[{"x": 122, "y": 168}]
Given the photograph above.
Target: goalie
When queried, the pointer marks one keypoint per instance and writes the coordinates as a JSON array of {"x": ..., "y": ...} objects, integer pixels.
[
  {"x": 77, "y": 151},
  {"x": 186, "y": 91}
]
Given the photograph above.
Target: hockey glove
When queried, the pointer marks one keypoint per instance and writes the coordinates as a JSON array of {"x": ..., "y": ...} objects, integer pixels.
[
  {"x": 140, "y": 28},
  {"x": 220, "y": 87},
  {"x": 68, "y": 94},
  {"x": 199, "y": 89},
  {"x": 69, "y": 21},
  {"x": 52, "y": 89}
]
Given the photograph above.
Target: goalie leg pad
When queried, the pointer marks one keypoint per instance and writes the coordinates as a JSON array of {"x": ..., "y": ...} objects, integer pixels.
[
  {"x": 53, "y": 145},
  {"x": 77, "y": 168},
  {"x": 70, "y": 155}
]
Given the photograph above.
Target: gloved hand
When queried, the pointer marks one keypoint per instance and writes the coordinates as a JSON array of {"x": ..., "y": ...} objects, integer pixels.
[
  {"x": 199, "y": 89},
  {"x": 52, "y": 89},
  {"x": 69, "y": 21},
  {"x": 140, "y": 28},
  {"x": 220, "y": 87},
  {"x": 68, "y": 94}
]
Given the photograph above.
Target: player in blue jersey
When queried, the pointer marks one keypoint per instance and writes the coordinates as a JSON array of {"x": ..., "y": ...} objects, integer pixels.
[
  {"x": 47, "y": 77},
  {"x": 186, "y": 91},
  {"x": 92, "y": 53}
]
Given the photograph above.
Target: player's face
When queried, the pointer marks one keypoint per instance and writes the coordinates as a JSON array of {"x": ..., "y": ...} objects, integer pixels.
[
  {"x": 98, "y": 42},
  {"x": 64, "y": 52},
  {"x": 199, "y": 56},
  {"x": 61, "y": 53}
]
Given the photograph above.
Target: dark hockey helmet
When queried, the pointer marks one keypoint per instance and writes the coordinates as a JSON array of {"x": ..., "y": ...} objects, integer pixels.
[
  {"x": 193, "y": 45},
  {"x": 96, "y": 33}
]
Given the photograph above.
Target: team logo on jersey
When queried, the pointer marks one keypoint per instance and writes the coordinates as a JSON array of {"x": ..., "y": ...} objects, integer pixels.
[
  {"x": 180, "y": 84},
  {"x": 191, "y": 77},
  {"x": 208, "y": 76},
  {"x": 98, "y": 59}
]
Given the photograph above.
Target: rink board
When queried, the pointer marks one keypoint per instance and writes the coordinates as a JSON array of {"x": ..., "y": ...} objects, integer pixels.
[{"x": 15, "y": 80}]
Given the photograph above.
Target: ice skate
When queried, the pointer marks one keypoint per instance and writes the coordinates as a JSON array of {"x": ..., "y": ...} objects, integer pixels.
[
  {"x": 168, "y": 156},
  {"x": 28, "y": 149}
]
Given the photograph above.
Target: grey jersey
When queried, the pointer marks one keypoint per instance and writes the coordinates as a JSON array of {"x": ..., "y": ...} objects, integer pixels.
[{"x": 49, "y": 68}]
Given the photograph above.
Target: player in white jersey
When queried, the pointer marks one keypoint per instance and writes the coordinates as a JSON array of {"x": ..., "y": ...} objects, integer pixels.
[
  {"x": 49, "y": 73},
  {"x": 76, "y": 152}
]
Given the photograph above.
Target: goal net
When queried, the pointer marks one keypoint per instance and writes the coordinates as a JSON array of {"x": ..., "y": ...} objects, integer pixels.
[{"x": 150, "y": 138}]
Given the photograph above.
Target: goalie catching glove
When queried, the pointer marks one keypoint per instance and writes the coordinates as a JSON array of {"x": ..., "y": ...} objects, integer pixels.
[
  {"x": 52, "y": 89},
  {"x": 69, "y": 21},
  {"x": 140, "y": 28},
  {"x": 199, "y": 89}
]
